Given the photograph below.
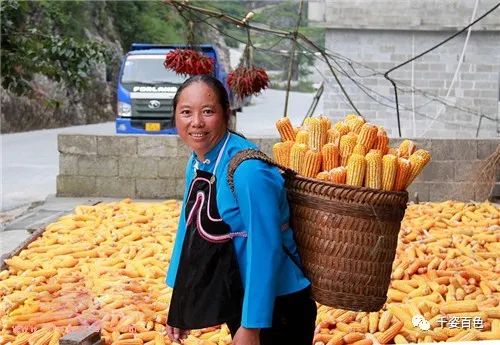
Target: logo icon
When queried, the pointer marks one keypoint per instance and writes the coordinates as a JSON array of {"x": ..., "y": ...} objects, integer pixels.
[
  {"x": 420, "y": 322},
  {"x": 154, "y": 104}
]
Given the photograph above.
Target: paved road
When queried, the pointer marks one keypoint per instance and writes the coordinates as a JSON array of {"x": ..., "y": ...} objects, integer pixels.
[{"x": 30, "y": 160}]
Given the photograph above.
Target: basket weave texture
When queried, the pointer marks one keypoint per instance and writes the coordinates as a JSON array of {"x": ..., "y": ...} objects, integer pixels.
[{"x": 346, "y": 236}]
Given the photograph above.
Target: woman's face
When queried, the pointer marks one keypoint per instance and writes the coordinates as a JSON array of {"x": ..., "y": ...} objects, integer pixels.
[{"x": 199, "y": 118}]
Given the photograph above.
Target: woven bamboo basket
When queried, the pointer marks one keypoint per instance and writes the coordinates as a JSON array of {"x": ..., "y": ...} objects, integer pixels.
[{"x": 346, "y": 236}]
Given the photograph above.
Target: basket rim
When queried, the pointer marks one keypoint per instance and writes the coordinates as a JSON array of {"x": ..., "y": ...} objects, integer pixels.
[{"x": 347, "y": 186}]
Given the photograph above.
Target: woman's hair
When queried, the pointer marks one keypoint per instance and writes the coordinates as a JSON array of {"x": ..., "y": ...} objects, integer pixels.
[{"x": 211, "y": 82}]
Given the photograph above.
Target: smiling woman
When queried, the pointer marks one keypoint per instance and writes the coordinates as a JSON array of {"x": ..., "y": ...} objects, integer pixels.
[
  {"x": 235, "y": 260},
  {"x": 201, "y": 109}
]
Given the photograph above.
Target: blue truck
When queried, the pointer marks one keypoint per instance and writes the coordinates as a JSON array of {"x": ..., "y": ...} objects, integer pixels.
[{"x": 146, "y": 89}]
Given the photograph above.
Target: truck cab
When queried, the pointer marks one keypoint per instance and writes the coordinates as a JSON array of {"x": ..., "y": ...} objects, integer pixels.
[{"x": 146, "y": 89}]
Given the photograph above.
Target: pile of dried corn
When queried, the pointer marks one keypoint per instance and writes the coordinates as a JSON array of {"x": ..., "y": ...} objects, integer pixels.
[
  {"x": 105, "y": 266},
  {"x": 350, "y": 152}
]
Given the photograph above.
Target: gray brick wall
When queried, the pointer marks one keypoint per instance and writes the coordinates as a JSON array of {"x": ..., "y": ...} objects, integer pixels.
[
  {"x": 475, "y": 90},
  {"x": 380, "y": 34},
  {"x": 153, "y": 167}
]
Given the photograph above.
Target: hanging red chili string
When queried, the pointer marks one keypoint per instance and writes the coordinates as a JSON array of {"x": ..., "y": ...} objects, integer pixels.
[
  {"x": 246, "y": 81},
  {"x": 188, "y": 62}
]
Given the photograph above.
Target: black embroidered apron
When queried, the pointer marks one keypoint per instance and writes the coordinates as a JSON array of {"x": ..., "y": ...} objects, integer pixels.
[{"x": 208, "y": 290}]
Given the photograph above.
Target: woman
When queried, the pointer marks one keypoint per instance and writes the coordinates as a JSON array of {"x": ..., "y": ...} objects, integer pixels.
[{"x": 234, "y": 258}]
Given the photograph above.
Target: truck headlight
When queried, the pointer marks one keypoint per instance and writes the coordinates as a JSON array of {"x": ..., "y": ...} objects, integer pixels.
[{"x": 124, "y": 109}]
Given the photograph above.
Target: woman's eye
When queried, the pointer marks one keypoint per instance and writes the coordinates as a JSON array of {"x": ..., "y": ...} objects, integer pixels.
[
  {"x": 185, "y": 112},
  {"x": 208, "y": 111}
]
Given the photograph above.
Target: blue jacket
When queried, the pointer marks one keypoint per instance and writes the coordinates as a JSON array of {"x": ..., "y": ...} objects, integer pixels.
[{"x": 260, "y": 208}]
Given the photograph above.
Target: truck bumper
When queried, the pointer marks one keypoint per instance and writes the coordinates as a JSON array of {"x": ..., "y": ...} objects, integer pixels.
[{"x": 124, "y": 125}]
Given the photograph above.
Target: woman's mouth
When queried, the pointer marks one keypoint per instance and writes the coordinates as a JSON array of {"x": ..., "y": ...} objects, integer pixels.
[{"x": 198, "y": 135}]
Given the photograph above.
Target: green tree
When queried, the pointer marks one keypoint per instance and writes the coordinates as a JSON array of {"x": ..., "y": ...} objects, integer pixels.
[{"x": 28, "y": 49}]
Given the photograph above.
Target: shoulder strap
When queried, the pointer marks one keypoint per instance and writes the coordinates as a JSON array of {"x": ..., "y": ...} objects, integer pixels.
[{"x": 246, "y": 154}]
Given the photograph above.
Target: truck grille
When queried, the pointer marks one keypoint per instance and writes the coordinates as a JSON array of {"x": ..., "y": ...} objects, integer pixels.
[{"x": 140, "y": 108}]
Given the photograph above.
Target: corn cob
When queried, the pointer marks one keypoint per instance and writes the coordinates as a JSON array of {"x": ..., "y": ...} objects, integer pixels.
[
  {"x": 312, "y": 164},
  {"x": 326, "y": 124},
  {"x": 385, "y": 321},
  {"x": 307, "y": 124},
  {"x": 21, "y": 339},
  {"x": 353, "y": 337},
  {"x": 368, "y": 135},
  {"x": 359, "y": 149},
  {"x": 355, "y": 124},
  {"x": 347, "y": 144},
  {"x": 285, "y": 129},
  {"x": 302, "y": 137},
  {"x": 423, "y": 153},
  {"x": 338, "y": 175},
  {"x": 382, "y": 142},
  {"x": 406, "y": 148},
  {"x": 393, "y": 151},
  {"x": 296, "y": 130},
  {"x": 297, "y": 156},
  {"x": 417, "y": 164},
  {"x": 373, "y": 178},
  {"x": 402, "y": 174},
  {"x": 330, "y": 156},
  {"x": 390, "y": 333},
  {"x": 333, "y": 136},
  {"x": 349, "y": 117},
  {"x": 317, "y": 137},
  {"x": 356, "y": 168},
  {"x": 324, "y": 175},
  {"x": 389, "y": 170},
  {"x": 373, "y": 318},
  {"x": 342, "y": 127},
  {"x": 281, "y": 152}
]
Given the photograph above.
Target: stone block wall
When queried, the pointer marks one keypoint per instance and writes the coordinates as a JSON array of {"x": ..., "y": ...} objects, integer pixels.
[{"x": 153, "y": 167}]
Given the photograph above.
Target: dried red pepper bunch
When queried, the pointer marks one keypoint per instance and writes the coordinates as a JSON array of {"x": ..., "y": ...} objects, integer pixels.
[
  {"x": 246, "y": 81},
  {"x": 188, "y": 62}
]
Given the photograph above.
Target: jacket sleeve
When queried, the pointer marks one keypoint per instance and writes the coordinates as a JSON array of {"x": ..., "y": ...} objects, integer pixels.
[
  {"x": 181, "y": 231},
  {"x": 259, "y": 191}
]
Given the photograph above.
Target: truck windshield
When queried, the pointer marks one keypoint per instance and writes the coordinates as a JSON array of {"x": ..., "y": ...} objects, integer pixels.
[{"x": 148, "y": 69}]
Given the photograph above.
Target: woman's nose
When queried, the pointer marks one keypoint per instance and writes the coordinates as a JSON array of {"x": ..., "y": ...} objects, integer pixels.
[{"x": 198, "y": 120}]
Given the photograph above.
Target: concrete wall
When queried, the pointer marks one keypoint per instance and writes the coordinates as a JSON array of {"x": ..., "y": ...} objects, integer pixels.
[
  {"x": 379, "y": 35},
  {"x": 153, "y": 167}
]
